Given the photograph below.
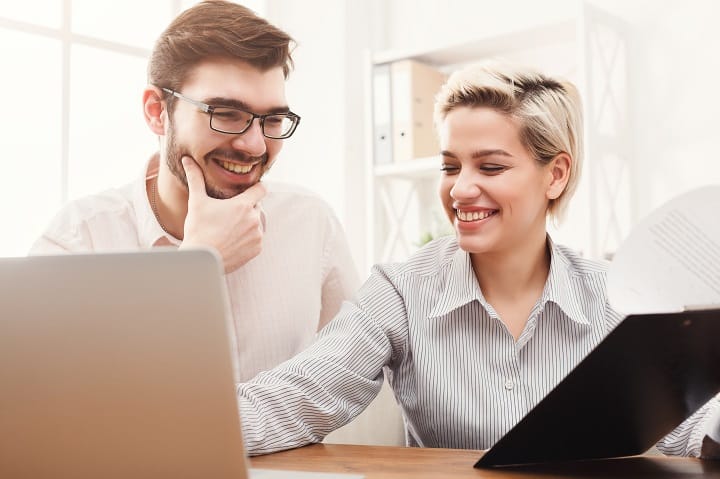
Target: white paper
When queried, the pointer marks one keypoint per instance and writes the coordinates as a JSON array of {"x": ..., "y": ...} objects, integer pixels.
[{"x": 671, "y": 260}]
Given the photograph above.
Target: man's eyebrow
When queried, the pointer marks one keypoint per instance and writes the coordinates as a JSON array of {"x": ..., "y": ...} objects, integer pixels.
[
  {"x": 478, "y": 153},
  {"x": 232, "y": 103}
]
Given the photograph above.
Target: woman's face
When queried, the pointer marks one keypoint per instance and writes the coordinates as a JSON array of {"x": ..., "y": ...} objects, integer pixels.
[{"x": 493, "y": 191}]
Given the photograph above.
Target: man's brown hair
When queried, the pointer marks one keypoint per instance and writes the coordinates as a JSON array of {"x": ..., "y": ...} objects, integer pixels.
[{"x": 216, "y": 29}]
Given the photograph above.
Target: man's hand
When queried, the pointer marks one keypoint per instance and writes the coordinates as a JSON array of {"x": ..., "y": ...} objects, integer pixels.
[{"x": 234, "y": 227}]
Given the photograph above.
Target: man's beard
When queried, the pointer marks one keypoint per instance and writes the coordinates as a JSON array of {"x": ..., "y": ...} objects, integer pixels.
[{"x": 174, "y": 154}]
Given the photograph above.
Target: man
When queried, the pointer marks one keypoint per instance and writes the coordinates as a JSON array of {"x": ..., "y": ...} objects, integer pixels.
[{"x": 216, "y": 101}]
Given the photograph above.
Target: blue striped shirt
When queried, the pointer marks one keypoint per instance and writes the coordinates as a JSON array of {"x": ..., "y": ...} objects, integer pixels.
[{"x": 459, "y": 376}]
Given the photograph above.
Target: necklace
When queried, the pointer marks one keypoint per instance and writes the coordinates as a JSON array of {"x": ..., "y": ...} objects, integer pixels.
[{"x": 153, "y": 205}]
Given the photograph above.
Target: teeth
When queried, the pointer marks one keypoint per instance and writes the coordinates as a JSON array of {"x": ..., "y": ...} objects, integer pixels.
[
  {"x": 473, "y": 215},
  {"x": 235, "y": 168}
]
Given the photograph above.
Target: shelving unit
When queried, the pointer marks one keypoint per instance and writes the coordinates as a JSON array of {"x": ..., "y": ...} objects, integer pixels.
[{"x": 589, "y": 49}]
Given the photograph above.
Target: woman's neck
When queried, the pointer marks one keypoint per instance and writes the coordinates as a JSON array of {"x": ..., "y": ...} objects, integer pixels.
[{"x": 514, "y": 272}]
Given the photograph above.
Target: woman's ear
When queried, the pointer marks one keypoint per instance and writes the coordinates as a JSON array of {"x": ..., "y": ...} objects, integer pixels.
[
  {"x": 154, "y": 109},
  {"x": 559, "y": 171}
]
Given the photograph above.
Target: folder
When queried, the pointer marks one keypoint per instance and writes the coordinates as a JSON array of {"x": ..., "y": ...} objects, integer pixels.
[
  {"x": 643, "y": 380},
  {"x": 382, "y": 115},
  {"x": 414, "y": 86}
]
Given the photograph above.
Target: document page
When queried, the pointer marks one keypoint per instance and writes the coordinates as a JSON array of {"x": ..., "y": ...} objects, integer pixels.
[{"x": 671, "y": 259}]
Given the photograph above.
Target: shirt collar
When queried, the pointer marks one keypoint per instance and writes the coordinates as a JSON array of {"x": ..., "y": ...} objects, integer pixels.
[
  {"x": 150, "y": 233},
  {"x": 462, "y": 287},
  {"x": 560, "y": 286}
]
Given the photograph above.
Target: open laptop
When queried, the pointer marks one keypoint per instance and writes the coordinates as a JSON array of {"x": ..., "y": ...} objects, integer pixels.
[
  {"x": 645, "y": 378},
  {"x": 118, "y": 365}
]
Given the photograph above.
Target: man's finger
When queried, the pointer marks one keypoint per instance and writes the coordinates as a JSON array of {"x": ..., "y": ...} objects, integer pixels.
[{"x": 195, "y": 178}]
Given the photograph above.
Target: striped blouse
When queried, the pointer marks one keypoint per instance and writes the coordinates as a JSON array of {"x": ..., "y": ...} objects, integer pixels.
[{"x": 459, "y": 376}]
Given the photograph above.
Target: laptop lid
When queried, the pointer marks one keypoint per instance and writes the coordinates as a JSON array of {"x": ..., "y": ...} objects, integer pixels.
[
  {"x": 117, "y": 366},
  {"x": 645, "y": 378}
]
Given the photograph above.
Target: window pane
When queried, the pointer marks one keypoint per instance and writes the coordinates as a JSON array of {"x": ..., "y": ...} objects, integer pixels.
[
  {"x": 109, "y": 140},
  {"x": 30, "y": 140},
  {"x": 47, "y": 13},
  {"x": 132, "y": 22}
]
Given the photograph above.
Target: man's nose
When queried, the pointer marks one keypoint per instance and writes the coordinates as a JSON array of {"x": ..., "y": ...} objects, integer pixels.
[{"x": 252, "y": 140}]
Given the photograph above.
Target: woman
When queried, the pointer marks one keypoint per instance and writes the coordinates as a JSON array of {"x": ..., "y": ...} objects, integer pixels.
[{"x": 473, "y": 330}]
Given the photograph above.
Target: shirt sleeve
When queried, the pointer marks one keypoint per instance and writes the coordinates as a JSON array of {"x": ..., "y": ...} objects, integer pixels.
[
  {"x": 330, "y": 383},
  {"x": 340, "y": 276},
  {"x": 686, "y": 439}
]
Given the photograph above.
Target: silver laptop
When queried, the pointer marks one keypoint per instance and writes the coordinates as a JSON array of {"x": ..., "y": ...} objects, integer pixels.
[{"x": 118, "y": 365}]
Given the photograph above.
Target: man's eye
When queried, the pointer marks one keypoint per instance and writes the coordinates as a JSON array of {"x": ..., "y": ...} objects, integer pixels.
[{"x": 229, "y": 114}]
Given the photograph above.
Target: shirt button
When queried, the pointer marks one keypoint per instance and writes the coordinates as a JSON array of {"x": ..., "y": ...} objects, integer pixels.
[{"x": 509, "y": 384}]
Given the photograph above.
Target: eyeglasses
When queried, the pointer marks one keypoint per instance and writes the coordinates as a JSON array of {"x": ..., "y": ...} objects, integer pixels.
[{"x": 235, "y": 121}]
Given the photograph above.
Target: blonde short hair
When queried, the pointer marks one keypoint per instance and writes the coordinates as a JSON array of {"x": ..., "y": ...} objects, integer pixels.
[{"x": 548, "y": 110}]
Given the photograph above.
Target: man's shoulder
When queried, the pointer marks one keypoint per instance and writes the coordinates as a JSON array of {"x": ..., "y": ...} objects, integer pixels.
[
  {"x": 281, "y": 190},
  {"x": 291, "y": 196},
  {"x": 106, "y": 203},
  {"x": 86, "y": 213}
]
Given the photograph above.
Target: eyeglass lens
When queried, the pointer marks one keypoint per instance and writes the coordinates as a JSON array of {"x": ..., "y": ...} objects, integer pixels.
[{"x": 230, "y": 120}]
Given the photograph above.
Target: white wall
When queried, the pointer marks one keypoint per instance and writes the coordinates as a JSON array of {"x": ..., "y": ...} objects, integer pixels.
[
  {"x": 673, "y": 73},
  {"x": 326, "y": 154},
  {"x": 672, "y": 69}
]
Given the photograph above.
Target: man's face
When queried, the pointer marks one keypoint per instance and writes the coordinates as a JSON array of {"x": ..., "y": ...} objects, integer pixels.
[{"x": 230, "y": 163}]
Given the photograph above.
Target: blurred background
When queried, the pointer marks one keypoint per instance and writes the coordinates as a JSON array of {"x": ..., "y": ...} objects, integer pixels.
[{"x": 73, "y": 73}]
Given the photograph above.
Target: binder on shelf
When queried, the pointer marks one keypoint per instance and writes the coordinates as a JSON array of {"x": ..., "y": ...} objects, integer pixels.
[
  {"x": 382, "y": 115},
  {"x": 414, "y": 86}
]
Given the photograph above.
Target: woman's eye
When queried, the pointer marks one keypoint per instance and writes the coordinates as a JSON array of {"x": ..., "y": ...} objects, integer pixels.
[
  {"x": 492, "y": 168},
  {"x": 449, "y": 169}
]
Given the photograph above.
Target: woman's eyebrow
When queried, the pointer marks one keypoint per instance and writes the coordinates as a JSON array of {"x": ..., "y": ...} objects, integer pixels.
[
  {"x": 493, "y": 152},
  {"x": 478, "y": 153}
]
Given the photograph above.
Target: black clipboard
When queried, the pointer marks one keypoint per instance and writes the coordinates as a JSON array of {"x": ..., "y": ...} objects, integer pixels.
[{"x": 644, "y": 379}]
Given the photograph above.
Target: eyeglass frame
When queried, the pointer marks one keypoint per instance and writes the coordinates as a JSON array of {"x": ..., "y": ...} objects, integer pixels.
[{"x": 210, "y": 109}]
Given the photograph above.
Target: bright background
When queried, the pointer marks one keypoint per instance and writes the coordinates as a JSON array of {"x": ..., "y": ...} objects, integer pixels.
[{"x": 73, "y": 72}]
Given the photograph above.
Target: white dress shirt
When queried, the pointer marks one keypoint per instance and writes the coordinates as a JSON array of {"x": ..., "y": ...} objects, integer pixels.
[
  {"x": 279, "y": 299},
  {"x": 458, "y": 374}
]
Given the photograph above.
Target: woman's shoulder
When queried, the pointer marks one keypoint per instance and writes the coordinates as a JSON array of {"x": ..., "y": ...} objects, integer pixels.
[
  {"x": 577, "y": 263},
  {"x": 431, "y": 259}
]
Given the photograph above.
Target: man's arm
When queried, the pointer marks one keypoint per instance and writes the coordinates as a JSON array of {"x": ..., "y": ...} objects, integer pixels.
[
  {"x": 48, "y": 245},
  {"x": 64, "y": 235}
]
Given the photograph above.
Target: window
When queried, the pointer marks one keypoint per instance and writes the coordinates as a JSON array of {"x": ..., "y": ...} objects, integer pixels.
[{"x": 72, "y": 122}]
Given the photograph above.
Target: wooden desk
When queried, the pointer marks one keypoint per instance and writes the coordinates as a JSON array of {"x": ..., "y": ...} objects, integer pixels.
[{"x": 376, "y": 462}]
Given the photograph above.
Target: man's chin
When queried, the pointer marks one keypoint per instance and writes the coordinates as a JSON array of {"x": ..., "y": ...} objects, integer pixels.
[
  {"x": 227, "y": 193},
  {"x": 223, "y": 194}
]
